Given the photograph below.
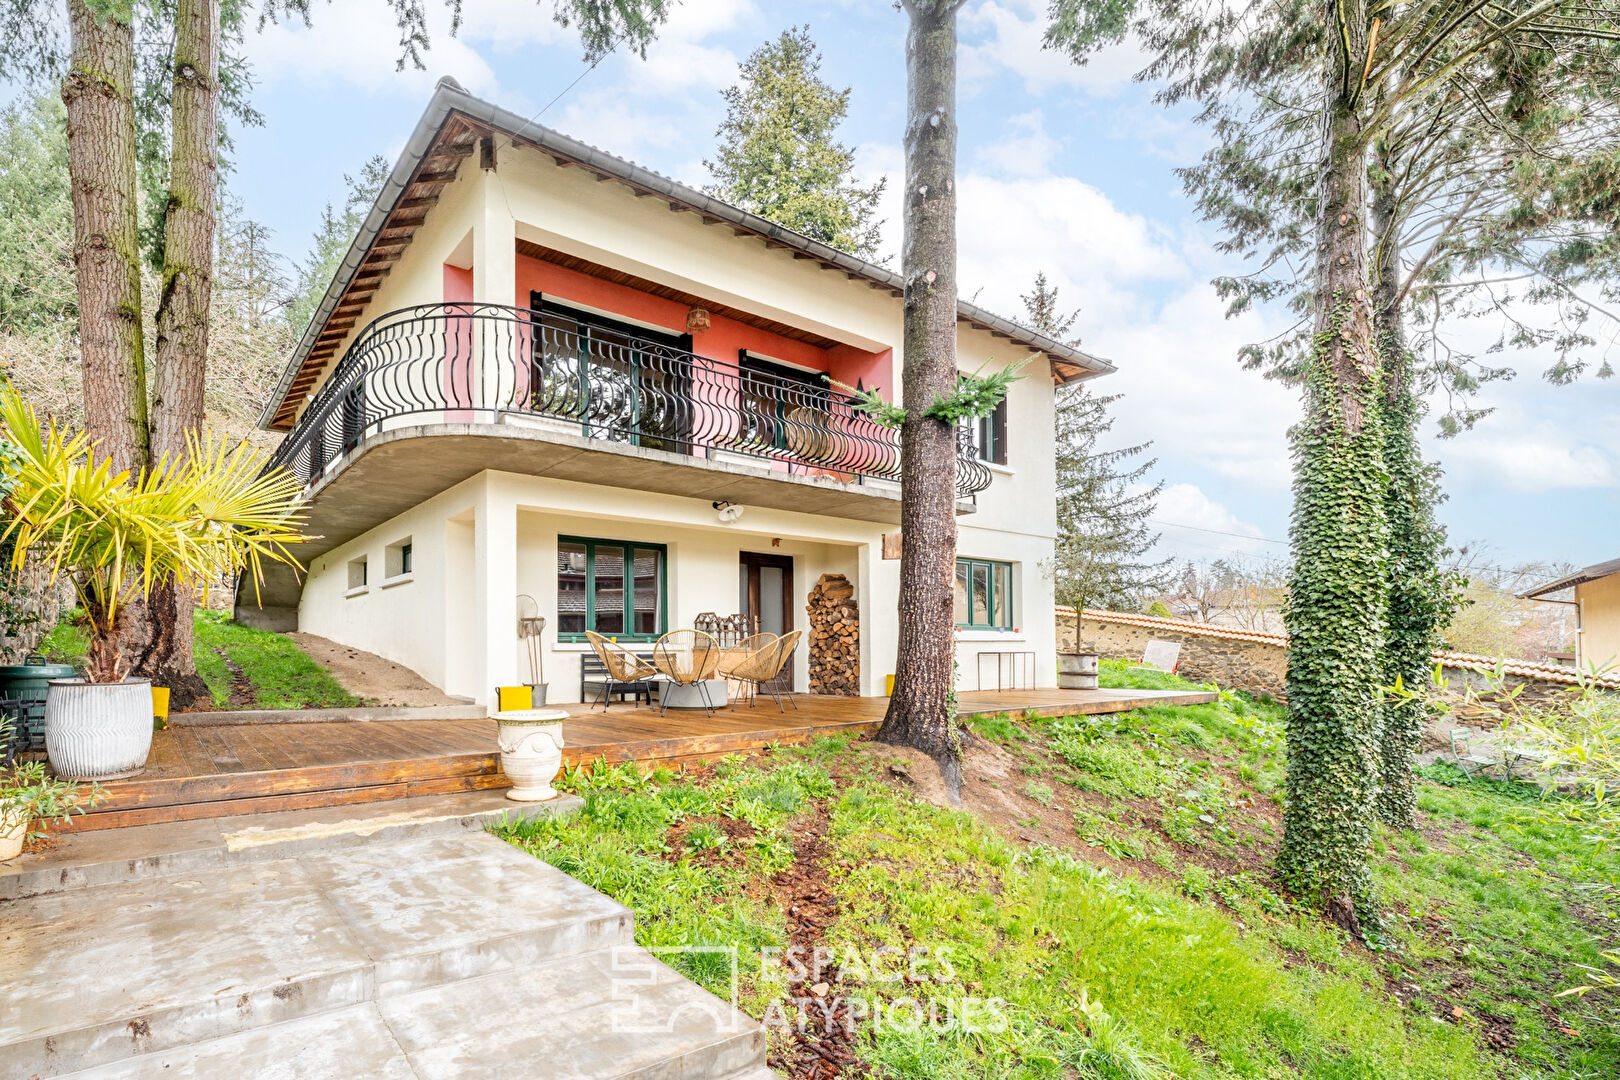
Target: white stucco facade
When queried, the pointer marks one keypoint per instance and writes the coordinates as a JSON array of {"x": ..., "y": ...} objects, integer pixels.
[{"x": 475, "y": 546}]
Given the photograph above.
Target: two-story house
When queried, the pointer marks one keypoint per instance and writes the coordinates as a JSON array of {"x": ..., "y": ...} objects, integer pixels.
[{"x": 544, "y": 372}]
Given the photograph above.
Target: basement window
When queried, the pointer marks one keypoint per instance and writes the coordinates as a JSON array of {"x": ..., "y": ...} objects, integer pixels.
[
  {"x": 397, "y": 561},
  {"x": 357, "y": 576}
]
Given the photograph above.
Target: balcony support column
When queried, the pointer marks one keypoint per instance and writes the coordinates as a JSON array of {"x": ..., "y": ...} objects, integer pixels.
[{"x": 495, "y": 586}]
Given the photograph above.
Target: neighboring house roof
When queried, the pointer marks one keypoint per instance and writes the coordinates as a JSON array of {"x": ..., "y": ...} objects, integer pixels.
[
  {"x": 1525, "y": 669},
  {"x": 1579, "y": 577},
  {"x": 449, "y": 131}
]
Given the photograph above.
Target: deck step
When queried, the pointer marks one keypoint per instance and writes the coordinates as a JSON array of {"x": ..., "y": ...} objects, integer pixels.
[
  {"x": 115, "y": 856},
  {"x": 191, "y": 798}
]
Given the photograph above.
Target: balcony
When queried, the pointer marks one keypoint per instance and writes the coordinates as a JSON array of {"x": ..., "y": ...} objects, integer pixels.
[{"x": 469, "y": 364}]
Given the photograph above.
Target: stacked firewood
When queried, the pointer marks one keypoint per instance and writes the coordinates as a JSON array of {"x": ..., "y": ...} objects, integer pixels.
[{"x": 835, "y": 637}]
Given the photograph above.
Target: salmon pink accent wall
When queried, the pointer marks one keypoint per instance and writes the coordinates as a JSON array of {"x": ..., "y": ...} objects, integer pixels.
[
  {"x": 458, "y": 345},
  {"x": 846, "y": 363}
]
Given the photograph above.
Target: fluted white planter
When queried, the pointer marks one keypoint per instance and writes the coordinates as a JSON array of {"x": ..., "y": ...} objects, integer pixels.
[
  {"x": 13, "y": 831},
  {"x": 531, "y": 742},
  {"x": 98, "y": 731}
]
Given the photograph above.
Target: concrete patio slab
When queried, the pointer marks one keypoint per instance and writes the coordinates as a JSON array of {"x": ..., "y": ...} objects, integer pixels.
[{"x": 418, "y": 949}]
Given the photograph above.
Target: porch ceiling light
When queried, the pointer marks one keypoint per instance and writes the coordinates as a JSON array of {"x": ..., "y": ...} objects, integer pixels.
[{"x": 727, "y": 511}]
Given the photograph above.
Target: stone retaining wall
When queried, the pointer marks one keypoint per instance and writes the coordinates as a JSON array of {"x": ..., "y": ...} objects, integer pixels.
[{"x": 1258, "y": 662}]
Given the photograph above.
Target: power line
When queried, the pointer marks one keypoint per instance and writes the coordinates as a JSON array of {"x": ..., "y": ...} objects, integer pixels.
[
  {"x": 1218, "y": 532},
  {"x": 564, "y": 91}
]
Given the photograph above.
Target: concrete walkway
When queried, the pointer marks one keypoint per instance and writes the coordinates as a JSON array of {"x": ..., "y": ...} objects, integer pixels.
[{"x": 407, "y": 944}]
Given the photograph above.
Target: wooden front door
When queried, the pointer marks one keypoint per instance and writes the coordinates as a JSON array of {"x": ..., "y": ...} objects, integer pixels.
[{"x": 766, "y": 584}]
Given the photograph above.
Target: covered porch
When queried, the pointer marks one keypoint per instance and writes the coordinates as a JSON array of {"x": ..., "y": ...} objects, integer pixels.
[{"x": 220, "y": 770}]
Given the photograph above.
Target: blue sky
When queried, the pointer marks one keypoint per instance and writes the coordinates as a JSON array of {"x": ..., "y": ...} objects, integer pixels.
[{"x": 1062, "y": 169}]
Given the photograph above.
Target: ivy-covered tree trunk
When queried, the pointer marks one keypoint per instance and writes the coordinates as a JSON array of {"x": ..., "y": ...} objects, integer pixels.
[
  {"x": 99, "y": 93},
  {"x": 1336, "y": 588},
  {"x": 921, "y": 711},
  {"x": 1420, "y": 595},
  {"x": 181, "y": 359}
]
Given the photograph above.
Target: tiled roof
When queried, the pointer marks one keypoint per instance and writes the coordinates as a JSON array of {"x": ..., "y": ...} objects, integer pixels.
[{"x": 1524, "y": 669}]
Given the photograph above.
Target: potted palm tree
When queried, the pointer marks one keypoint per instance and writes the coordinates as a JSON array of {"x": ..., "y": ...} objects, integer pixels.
[{"x": 193, "y": 521}]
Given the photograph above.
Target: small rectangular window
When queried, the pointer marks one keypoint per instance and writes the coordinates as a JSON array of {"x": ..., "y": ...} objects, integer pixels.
[
  {"x": 357, "y": 573},
  {"x": 397, "y": 559},
  {"x": 984, "y": 595},
  {"x": 613, "y": 587}
]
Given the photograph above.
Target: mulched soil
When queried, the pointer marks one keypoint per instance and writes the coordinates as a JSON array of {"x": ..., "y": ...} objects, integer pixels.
[{"x": 823, "y": 1044}]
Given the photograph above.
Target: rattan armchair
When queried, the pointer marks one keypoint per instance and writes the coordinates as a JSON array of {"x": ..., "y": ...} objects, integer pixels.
[
  {"x": 732, "y": 655},
  {"x": 625, "y": 670},
  {"x": 687, "y": 658},
  {"x": 762, "y": 668}
]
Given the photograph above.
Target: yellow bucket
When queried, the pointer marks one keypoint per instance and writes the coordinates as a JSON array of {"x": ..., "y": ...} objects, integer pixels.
[
  {"x": 160, "y": 708},
  {"x": 888, "y": 686},
  {"x": 514, "y": 698}
]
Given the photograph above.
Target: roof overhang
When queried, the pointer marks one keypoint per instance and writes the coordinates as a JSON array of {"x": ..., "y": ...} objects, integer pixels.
[
  {"x": 1579, "y": 577},
  {"x": 449, "y": 130}
]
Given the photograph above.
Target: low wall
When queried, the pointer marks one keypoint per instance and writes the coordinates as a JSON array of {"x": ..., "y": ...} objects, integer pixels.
[
  {"x": 1255, "y": 666},
  {"x": 1256, "y": 661}
]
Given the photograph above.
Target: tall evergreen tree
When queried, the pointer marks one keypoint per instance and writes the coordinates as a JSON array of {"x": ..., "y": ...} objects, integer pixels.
[
  {"x": 37, "y": 286},
  {"x": 1103, "y": 499},
  {"x": 921, "y": 711},
  {"x": 336, "y": 232},
  {"x": 1349, "y": 72},
  {"x": 155, "y": 113},
  {"x": 779, "y": 154}
]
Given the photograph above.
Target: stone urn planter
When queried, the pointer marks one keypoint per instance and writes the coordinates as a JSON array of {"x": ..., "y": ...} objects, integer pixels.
[
  {"x": 98, "y": 731},
  {"x": 531, "y": 742}
]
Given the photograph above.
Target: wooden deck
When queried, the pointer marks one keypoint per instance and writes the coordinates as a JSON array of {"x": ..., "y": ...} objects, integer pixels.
[{"x": 200, "y": 772}]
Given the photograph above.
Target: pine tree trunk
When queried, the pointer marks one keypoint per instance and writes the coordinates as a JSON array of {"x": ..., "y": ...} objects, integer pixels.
[
  {"x": 921, "y": 710},
  {"x": 99, "y": 95},
  {"x": 182, "y": 315},
  {"x": 1416, "y": 588},
  {"x": 1337, "y": 586}
]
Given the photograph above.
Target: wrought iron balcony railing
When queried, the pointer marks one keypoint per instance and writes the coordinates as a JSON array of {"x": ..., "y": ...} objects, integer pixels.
[{"x": 473, "y": 362}]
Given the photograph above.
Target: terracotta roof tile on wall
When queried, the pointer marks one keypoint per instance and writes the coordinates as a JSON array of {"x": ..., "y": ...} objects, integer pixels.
[
  {"x": 1153, "y": 622},
  {"x": 1524, "y": 669}
]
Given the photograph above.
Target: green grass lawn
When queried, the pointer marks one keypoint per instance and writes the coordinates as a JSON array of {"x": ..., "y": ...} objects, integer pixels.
[
  {"x": 243, "y": 668},
  {"x": 1108, "y": 881},
  {"x": 256, "y": 669}
]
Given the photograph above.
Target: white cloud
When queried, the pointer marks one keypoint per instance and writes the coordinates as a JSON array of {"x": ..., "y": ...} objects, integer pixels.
[
  {"x": 1026, "y": 149},
  {"x": 1002, "y": 37},
  {"x": 1540, "y": 438},
  {"x": 1145, "y": 304},
  {"x": 1184, "y": 391},
  {"x": 1192, "y": 526},
  {"x": 353, "y": 43}
]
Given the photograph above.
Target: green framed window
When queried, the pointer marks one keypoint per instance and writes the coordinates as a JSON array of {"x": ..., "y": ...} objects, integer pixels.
[
  {"x": 984, "y": 595},
  {"x": 614, "y": 587}
]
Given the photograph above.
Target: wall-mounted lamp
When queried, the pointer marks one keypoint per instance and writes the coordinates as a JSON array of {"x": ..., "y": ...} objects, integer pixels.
[{"x": 727, "y": 511}]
